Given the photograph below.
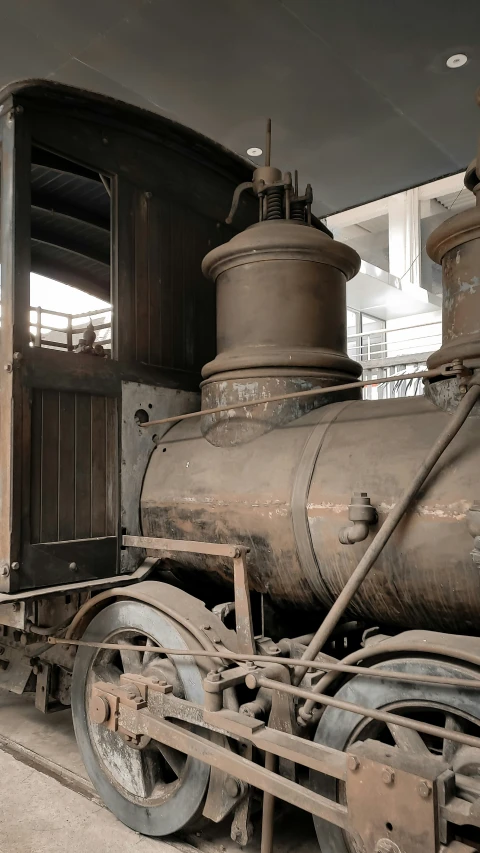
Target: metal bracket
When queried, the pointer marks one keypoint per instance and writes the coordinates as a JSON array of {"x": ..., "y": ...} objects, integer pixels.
[
  {"x": 237, "y": 553},
  {"x": 392, "y": 798}
]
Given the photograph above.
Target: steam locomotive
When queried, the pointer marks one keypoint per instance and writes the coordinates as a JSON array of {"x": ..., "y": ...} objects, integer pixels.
[{"x": 271, "y": 588}]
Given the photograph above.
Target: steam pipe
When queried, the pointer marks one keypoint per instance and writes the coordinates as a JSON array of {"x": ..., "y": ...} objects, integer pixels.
[
  {"x": 387, "y": 529},
  {"x": 353, "y": 533}
]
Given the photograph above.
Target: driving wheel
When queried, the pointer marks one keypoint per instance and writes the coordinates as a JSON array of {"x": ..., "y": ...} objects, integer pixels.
[
  {"x": 452, "y": 708},
  {"x": 154, "y": 789}
]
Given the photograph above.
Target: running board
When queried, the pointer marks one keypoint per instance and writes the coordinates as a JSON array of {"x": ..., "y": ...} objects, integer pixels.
[{"x": 98, "y": 583}]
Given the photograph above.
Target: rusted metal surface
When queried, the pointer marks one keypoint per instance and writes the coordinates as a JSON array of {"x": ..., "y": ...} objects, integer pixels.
[
  {"x": 260, "y": 346},
  {"x": 385, "y": 785},
  {"x": 251, "y": 384},
  {"x": 321, "y": 665},
  {"x": 248, "y": 494},
  {"x": 243, "y": 614},
  {"x": 268, "y": 810},
  {"x": 382, "y": 783},
  {"x": 381, "y": 716},
  {"x": 389, "y": 526},
  {"x": 247, "y": 771},
  {"x": 139, "y": 574},
  {"x": 455, "y": 244}
]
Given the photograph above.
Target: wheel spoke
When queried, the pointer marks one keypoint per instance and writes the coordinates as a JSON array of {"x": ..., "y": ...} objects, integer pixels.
[
  {"x": 449, "y": 746},
  {"x": 131, "y": 661},
  {"x": 148, "y": 656},
  {"x": 174, "y": 758},
  {"x": 107, "y": 672},
  {"x": 407, "y": 740}
]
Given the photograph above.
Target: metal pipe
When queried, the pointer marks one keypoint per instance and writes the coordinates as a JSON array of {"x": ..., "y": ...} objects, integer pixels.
[
  {"x": 268, "y": 142},
  {"x": 387, "y": 529},
  {"x": 268, "y": 810},
  {"x": 332, "y": 668},
  {"x": 370, "y": 713},
  {"x": 310, "y": 392},
  {"x": 386, "y": 647}
]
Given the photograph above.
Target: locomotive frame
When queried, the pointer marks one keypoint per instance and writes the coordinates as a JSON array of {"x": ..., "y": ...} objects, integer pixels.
[{"x": 74, "y": 592}]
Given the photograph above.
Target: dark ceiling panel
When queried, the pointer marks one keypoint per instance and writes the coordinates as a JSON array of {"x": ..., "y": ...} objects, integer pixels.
[{"x": 358, "y": 90}]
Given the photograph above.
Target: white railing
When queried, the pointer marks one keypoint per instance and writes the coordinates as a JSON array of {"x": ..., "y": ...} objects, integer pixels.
[
  {"x": 59, "y": 330},
  {"x": 395, "y": 344}
]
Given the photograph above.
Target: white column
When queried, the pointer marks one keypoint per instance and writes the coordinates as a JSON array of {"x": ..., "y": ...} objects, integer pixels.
[{"x": 404, "y": 242}]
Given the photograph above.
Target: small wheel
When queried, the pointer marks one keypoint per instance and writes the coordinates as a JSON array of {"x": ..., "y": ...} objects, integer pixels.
[
  {"x": 448, "y": 707},
  {"x": 155, "y": 789}
]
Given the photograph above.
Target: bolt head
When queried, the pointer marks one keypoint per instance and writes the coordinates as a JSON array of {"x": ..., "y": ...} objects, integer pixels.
[
  {"x": 424, "y": 789},
  {"x": 131, "y": 693},
  {"x": 214, "y": 676},
  {"x": 388, "y": 776},
  {"x": 353, "y": 762},
  {"x": 73, "y": 567},
  {"x": 99, "y": 709},
  {"x": 232, "y": 787},
  {"x": 15, "y": 566}
]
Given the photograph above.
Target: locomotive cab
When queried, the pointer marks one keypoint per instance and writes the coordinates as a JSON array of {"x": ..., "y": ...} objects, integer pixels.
[{"x": 122, "y": 205}]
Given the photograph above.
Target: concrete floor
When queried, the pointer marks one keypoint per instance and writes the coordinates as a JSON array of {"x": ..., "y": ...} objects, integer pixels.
[
  {"x": 40, "y": 815},
  {"x": 55, "y": 808}
]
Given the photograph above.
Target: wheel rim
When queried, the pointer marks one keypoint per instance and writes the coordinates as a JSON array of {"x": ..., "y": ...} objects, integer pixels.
[
  {"x": 155, "y": 790},
  {"x": 433, "y": 703}
]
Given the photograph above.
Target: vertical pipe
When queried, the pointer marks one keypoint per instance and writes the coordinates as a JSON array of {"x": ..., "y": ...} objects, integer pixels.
[
  {"x": 268, "y": 142},
  {"x": 268, "y": 810}
]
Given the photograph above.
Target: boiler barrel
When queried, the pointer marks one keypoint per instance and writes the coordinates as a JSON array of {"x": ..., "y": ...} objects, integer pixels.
[{"x": 286, "y": 496}]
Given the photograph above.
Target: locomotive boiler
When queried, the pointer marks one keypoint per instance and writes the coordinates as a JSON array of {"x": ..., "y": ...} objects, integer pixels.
[
  {"x": 306, "y": 482},
  {"x": 266, "y": 597}
]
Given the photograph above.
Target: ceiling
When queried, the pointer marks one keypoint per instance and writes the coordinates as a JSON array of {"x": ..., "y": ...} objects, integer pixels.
[{"x": 360, "y": 97}]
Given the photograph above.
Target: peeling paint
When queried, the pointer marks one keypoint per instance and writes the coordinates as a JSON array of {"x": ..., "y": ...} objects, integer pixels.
[{"x": 455, "y": 511}]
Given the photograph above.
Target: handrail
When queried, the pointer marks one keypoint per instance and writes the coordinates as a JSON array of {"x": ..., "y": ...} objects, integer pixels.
[{"x": 401, "y": 329}]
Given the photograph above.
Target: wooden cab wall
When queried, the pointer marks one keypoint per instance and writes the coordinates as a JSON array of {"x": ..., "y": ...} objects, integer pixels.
[{"x": 123, "y": 204}]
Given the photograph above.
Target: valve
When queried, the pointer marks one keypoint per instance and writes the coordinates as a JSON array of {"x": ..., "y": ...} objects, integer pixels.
[
  {"x": 278, "y": 197},
  {"x": 362, "y": 515}
]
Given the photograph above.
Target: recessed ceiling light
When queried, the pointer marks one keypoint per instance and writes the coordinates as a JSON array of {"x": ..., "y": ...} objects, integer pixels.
[
  {"x": 457, "y": 60},
  {"x": 254, "y": 152}
]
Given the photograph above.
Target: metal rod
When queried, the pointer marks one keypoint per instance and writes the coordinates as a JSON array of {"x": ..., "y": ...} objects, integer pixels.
[
  {"x": 387, "y": 529},
  {"x": 390, "y": 647},
  {"x": 268, "y": 810},
  {"x": 327, "y": 666},
  {"x": 370, "y": 713},
  {"x": 268, "y": 142},
  {"x": 310, "y": 392},
  {"x": 233, "y": 764}
]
